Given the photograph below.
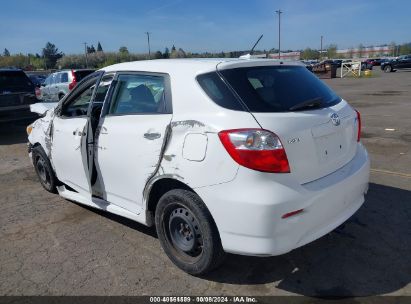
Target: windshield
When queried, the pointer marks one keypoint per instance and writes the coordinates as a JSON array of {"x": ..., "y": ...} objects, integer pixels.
[{"x": 279, "y": 88}]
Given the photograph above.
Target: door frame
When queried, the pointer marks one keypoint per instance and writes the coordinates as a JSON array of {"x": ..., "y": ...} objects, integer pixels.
[
  {"x": 84, "y": 146},
  {"x": 167, "y": 93}
]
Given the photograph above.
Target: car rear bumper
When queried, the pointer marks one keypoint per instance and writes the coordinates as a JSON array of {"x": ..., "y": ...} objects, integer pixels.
[{"x": 248, "y": 211}]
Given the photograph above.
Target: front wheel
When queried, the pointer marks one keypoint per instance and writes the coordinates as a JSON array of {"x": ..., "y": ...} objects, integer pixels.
[
  {"x": 388, "y": 69},
  {"x": 187, "y": 232},
  {"x": 44, "y": 170}
]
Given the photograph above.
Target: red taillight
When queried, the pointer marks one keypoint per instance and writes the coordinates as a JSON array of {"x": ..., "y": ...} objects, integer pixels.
[
  {"x": 359, "y": 125},
  {"x": 38, "y": 92},
  {"x": 73, "y": 83},
  {"x": 256, "y": 149}
]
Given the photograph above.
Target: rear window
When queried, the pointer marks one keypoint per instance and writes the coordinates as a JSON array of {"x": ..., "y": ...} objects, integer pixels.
[
  {"x": 14, "y": 81},
  {"x": 279, "y": 88},
  {"x": 82, "y": 74}
]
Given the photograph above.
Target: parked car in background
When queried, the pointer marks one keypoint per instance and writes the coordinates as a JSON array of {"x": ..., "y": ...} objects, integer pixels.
[
  {"x": 58, "y": 84},
  {"x": 37, "y": 80},
  {"x": 374, "y": 61},
  {"x": 402, "y": 62},
  {"x": 366, "y": 65},
  {"x": 253, "y": 157},
  {"x": 17, "y": 93}
]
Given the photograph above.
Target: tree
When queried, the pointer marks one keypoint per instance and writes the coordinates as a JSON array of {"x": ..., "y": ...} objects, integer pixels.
[
  {"x": 51, "y": 54},
  {"x": 123, "y": 50},
  {"x": 173, "y": 48},
  {"x": 166, "y": 53},
  {"x": 393, "y": 48},
  {"x": 405, "y": 49},
  {"x": 360, "y": 50},
  {"x": 6, "y": 53},
  {"x": 350, "y": 53},
  {"x": 178, "y": 54},
  {"x": 332, "y": 51},
  {"x": 310, "y": 54},
  {"x": 158, "y": 55},
  {"x": 99, "y": 48},
  {"x": 91, "y": 49}
]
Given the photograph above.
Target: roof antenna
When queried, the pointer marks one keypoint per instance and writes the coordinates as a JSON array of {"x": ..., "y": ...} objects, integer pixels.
[
  {"x": 252, "y": 49},
  {"x": 250, "y": 54}
]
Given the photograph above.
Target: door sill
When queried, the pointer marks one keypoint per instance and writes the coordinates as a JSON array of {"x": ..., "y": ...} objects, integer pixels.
[{"x": 101, "y": 204}]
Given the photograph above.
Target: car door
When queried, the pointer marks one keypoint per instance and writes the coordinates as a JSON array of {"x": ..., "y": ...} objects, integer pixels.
[
  {"x": 401, "y": 62},
  {"x": 69, "y": 151},
  {"x": 133, "y": 128},
  {"x": 408, "y": 61}
]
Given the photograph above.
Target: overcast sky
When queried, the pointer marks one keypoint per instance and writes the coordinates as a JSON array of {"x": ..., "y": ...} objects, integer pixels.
[{"x": 214, "y": 26}]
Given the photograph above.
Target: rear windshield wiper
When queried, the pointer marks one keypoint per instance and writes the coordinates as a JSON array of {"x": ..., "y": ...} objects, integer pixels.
[{"x": 308, "y": 104}]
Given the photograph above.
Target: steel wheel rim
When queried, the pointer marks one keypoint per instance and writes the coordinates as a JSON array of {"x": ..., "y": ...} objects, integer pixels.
[
  {"x": 42, "y": 171},
  {"x": 183, "y": 232}
]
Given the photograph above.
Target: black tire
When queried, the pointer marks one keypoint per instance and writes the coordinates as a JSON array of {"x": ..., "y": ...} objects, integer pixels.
[
  {"x": 44, "y": 170},
  {"x": 61, "y": 96},
  {"x": 388, "y": 69},
  {"x": 179, "y": 213}
]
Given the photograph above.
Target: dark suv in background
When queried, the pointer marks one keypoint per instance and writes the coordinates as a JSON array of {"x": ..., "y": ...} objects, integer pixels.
[
  {"x": 402, "y": 62},
  {"x": 17, "y": 93}
]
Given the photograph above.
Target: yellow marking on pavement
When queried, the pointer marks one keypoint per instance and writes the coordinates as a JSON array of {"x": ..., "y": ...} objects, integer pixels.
[{"x": 406, "y": 175}]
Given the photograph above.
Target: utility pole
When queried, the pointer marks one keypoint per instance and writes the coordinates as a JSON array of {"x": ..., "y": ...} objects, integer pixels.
[
  {"x": 85, "y": 53},
  {"x": 279, "y": 12},
  {"x": 321, "y": 48},
  {"x": 148, "y": 42}
]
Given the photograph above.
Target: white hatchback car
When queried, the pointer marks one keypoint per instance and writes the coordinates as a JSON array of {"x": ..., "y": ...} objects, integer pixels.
[{"x": 253, "y": 157}]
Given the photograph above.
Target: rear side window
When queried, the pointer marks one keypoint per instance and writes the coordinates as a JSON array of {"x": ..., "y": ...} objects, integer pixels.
[
  {"x": 64, "y": 77},
  {"x": 138, "y": 94},
  {"x": 218, "y": 91},
  {"x": 14, "y": 81},
  {"x": 279, "y": 88}
]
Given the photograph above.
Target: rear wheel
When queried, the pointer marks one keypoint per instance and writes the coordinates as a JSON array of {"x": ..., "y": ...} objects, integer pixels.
[
  {"x": 187, "y": 232},
  {"x": 44, "y": 170},
  {"x": 388, "y": 69}
]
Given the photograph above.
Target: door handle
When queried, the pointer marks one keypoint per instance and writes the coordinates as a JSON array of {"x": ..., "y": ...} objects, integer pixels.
[
  {"x": 152, "y": 136},
  {"x": 79, "y": 133},
  {"x": 103, "y": 130}
]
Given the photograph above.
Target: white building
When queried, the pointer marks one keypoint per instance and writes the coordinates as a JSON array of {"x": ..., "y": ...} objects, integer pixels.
[{"x": 366, "y": 52}]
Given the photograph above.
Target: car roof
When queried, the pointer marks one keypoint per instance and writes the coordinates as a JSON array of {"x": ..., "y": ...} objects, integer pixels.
[{"x": 193, "y": 66}]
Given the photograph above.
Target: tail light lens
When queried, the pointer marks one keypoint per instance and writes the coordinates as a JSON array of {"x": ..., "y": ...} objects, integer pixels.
[
  {"x": 73, "y": 83},
  {"x": 256, "y": 149},
  {"x": 38, "y": 92},
  {"x": 359, "y": 125}
]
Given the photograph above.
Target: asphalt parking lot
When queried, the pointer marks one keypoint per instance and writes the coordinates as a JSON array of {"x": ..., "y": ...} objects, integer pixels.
[{"x": 50, "y": 246}]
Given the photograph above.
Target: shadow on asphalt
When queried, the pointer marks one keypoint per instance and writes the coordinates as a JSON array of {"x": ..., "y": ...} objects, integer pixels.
[{"x": 367, "y": 255}]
